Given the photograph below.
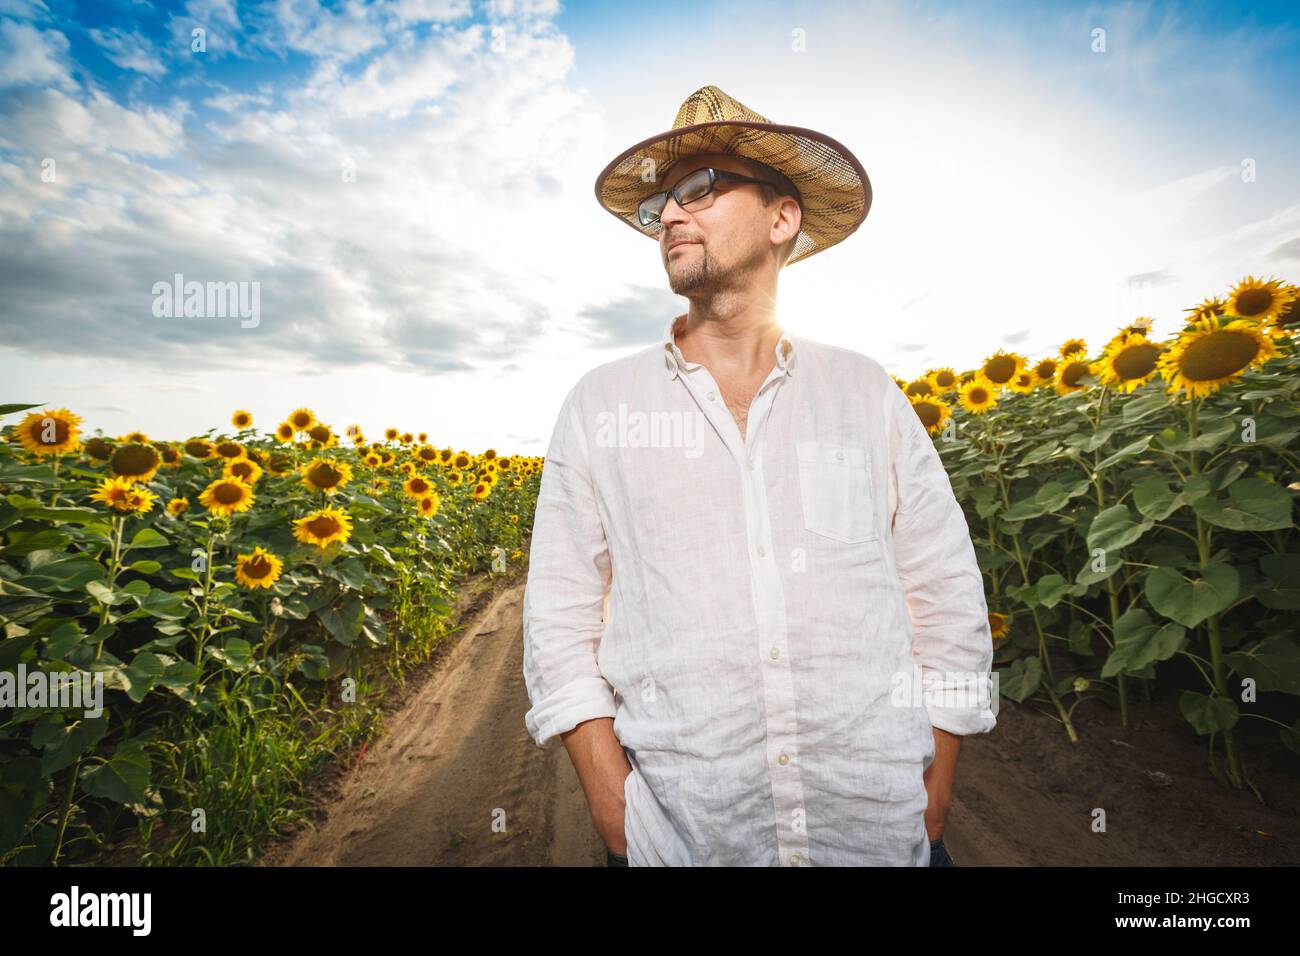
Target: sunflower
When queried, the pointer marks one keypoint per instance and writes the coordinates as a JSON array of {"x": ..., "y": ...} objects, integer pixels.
[
  {"x": 244, "y": 468},
  {"x": 461, "y": 461},
  {"x": 322, "y": 433},
  {"x": 200, "y": 448},
  {"x": 445, "y": 455},
  {"x": 1212, "y": 352},
  {"x": 387, "y": 457},
  {"x": 1001, "y": 367},
  {"x": 933, "y": 412},
  {"x": 1023, "y": 383},
  {"x": 455, "y": 478},
  {"x": 1076, "y": 375},
  {"x": 516, "y": 482},
  {"x": 227, "y": 495},
  {"x": 1289, "y": 317},
  {"x": 429, "y": 505},
  {"x": 178, "y": 506},
  {"x": 98, "y": 449},
  {"x": 279, "y": 464},
  {"x": 481, "y": 490},
  {"x": 323, "y": 527},
  {"x": 1129, "y": 362},
  {"x": 427, "y": 454},
  {"x": 135, "y": 462},
  {"x": 50, "y": 432},
  {"x": 261, "y": 569},
  {"x": 301, "y": 419},
  {"x": 284, "y": 433},
  {"x": 999, "y": 624},
  {"x": 171, "y": 458},
  {"x": 121, "y": 494},
  {"x": 900, "y": 382},
  {"x": 373, "y": 460},
  {"x": 977, "y": 397},
  {"x": 1260, "y": 300},
  {"x": 241, "y": 419},
  {"x": 504, "y": 463},
  {"x": 352, "y": 431},
  {"x": 418, "y": 486},
  {"x": 134, "y": 436},
  {"x": 422, "y": 438},
  {"x": 514, "y": 519},
  {"x": 326, "y": 474},
  {"x": 944, "y": 379},
  {"x": 1139, "y": 326},
  {"x": 1074, "y": 347},
  {"x": 489, "y": 454},
  {"x": 919, "y": 388},
  {"x": 1206, "y": 309},
  {"x": 391, "y": 434},
  {"x": 407, "y": 438},
  {"x": 231, "y": 450}
]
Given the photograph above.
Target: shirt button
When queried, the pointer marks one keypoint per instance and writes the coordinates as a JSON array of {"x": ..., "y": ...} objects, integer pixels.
[
  {"x": 749, "y": 465},
  {"x": 761, "y": 552},
  {"x": 794, "y": 859},
  {"x": 774, "y": 653},
  {"x": 839, "y": 456},
  {"x": 712, "y": 396},
  {"x": 783, "y": 760}
]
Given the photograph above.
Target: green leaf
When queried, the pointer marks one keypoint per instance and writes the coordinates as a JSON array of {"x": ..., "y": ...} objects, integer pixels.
[
  {"x": 124, "y": 778},
  {"x": 145, "y": 567},
  {"x": 1021, "y": 679},
  {"x": 1208, "y": 714},
  {"x": 70, "y": 742},
  {"x": 1139, "y": 408},
  {"x": 345, "y": 621},
  {"x": 1253, "y": 505},
  {"x": 1274, "y": 664},
  {"x": 1128, "y": 451},
  {"x": 1040, "y": 453},
  {"x": 1189, "y": 601},
  {"x": 141, "y": 673},
  {"x": 149, "y": 538},
  {"x": 164, "y": 604},
  {"x": 1155, "y": 499},
  {"x": 1087, "y": 576},
  {"x": 1114, "y": 529},
  {"x": 235, "y": 652},
  {"x": 1140, "y": 642}
]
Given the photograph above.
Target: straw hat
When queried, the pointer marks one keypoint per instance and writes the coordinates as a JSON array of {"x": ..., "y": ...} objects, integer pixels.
[{"x": 833, "y": 185}]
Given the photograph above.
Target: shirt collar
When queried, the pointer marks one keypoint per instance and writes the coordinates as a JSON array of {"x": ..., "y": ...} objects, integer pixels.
[{"x": 676, "y": 363}]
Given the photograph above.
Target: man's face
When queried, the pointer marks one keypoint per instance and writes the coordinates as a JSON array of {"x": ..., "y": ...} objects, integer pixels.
[{"x": 703, "y": 246}]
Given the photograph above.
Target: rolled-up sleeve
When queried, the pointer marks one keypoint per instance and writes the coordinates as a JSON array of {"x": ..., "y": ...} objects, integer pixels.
[
  {"x": 941, "y": 579},
  {"x": 564, "y": 597}
]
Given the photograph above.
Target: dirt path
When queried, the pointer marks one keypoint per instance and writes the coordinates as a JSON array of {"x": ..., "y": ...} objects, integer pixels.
[
  {"x": 456, "y": 757},
  {"x": 457, "y": 781}
]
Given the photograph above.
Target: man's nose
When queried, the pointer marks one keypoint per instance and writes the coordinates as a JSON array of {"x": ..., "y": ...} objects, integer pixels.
[{"x": 671, "y": 211}]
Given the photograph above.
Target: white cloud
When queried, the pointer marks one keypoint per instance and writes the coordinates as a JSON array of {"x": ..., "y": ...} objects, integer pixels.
[
  {"x": 32, "y": 57},
  {"x": 130, "y": 51}
]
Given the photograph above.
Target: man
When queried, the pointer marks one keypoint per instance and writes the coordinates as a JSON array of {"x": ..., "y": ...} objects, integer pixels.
[{"x": 731, "y": 611}]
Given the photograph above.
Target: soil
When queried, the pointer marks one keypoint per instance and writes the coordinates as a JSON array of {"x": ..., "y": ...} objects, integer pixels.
[{"x": 457, "y": 781}]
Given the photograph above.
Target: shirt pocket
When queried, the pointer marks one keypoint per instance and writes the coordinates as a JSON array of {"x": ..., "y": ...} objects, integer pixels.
[{"x": 835, "y": 489}]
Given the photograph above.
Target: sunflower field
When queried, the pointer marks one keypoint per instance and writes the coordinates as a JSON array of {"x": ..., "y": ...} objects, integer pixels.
[
  {"x": 1133, "y": 507},
  {"x": 234, "y": 596}
]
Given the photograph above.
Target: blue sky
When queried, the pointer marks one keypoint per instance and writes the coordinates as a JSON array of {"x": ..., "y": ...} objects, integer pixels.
[{"x": 1028, "y": 187}]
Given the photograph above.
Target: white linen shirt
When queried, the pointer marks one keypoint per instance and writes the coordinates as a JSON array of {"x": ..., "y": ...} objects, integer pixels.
[{"x": 757, "y": 614}]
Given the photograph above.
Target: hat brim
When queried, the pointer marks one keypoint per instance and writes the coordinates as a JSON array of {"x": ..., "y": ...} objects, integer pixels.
[{"x": 833, "y": 186}]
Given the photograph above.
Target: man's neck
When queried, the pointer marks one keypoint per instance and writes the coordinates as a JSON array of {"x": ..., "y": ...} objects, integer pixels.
[{"x": 737, "y": 345}]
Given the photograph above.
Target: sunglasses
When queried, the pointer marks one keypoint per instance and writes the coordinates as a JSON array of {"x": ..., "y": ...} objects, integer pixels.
[{"x": 694, "y": 187}]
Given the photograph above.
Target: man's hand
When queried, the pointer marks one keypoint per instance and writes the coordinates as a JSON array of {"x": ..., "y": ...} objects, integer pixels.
[
  {"x": 939, "y": 778},
  {"x": 603, "y": 769}
]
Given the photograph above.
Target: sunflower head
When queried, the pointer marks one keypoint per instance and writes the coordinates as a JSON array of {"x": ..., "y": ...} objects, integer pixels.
[
  {"x": 422, "y": 438},
  {"x": 481, "y": 490},
  {"x": 200, "y": 448},
  {"x": 98, "y": 449},
  {"x": 278, "y": 464},
  {"x": 1001, "y": 367},
  {"x": 427, "y": 454},
  {"x": 260, "y": 569},
  {"x": 302, "y": 419},
  {"x": 53, "y": 431},
  {"x": 322, "y": 434},
  {"x": 418, "y": 486},
  {"x": 1045, "y": 371},
  {"x": 933, "y": 412},
  {"x": 461, "y": 460},
  {"x": 226, "y": 496},
  {"x": 323, "y": 527},
  {"x": 489, "y": 454},
  {"x": 999, "y": 624},
  {"x": 178, "y": 506},
  {"x": 978, "y": 396},
  {"x": 1206, "y": 309},
  {"x": 230, "y": 450},
  {"x": 943, "y": 379},
  {"x": 445, "y": 455},
  {"x": 1074, "y": 348},
  {"x": 122, "y": 494},
  {"x": 919, "y": 388},
  {"x": 135, "y": 462},
  {"x": 241, "y": 419},
  {"x": 455, "y": 478},
  {"x": 244, "y": 468},
  {"x": 1023, "y": 382},
  {"x": 1259, "y": 299},
  {"x": 326, "y": 474},
  {"x": 1075, "y": 376},
  {"x": 284, "y": 432},
  {"x": 1213, "y": 351},
  {"x": 1128, "y": 362},
  {"x": 171, "y": 457},
  {"x": 428, "y": 505}
]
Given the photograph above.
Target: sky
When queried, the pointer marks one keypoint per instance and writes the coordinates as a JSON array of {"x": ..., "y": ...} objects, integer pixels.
[{"x": 409, "y": 187}]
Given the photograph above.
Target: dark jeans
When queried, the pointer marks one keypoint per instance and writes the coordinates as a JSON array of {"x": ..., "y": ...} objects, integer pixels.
[{"x": 939, "y": 855}]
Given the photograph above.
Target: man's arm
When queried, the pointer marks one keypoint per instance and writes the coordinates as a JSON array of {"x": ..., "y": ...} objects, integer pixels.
[
  {"x": 568, "y": 577},
  {"x": 945, "y": 597}
]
